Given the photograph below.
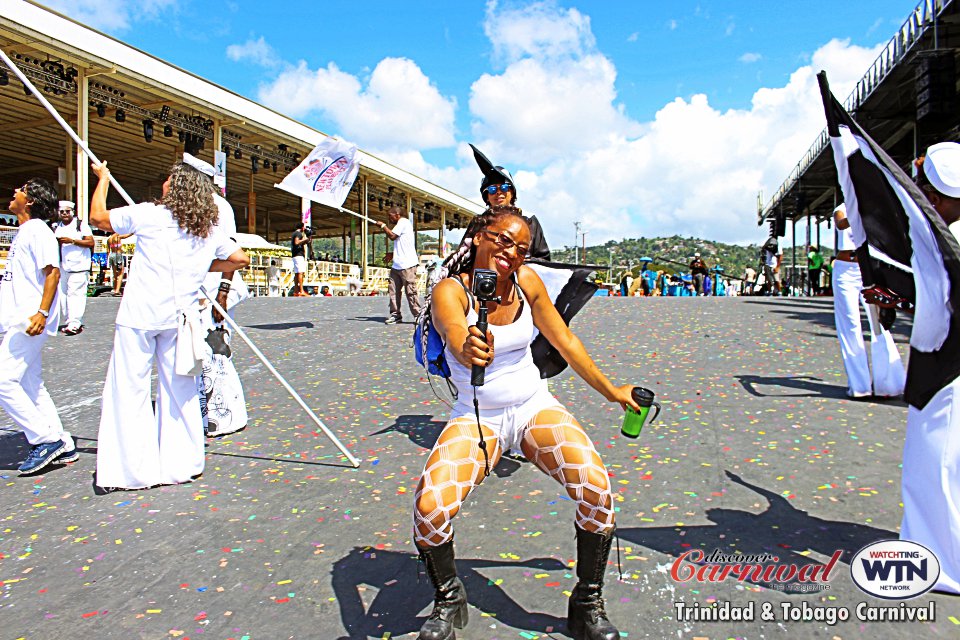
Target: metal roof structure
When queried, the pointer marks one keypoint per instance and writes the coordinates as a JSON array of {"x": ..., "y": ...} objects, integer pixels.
[
  {"x": 108, "y": 89},
  {"x": 885, "y": 102}
]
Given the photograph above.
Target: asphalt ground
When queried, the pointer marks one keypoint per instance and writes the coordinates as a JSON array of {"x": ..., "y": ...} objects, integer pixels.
[{"x": 757, "y": 450}]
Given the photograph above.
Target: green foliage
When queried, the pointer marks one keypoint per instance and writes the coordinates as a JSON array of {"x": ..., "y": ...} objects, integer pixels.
[{"x": 732, "y": 257}]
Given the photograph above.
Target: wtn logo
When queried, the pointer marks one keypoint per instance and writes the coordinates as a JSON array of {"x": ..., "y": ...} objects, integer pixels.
[
  {"x": 895, "y": 569},
  {"x": 903, "y": 570}
]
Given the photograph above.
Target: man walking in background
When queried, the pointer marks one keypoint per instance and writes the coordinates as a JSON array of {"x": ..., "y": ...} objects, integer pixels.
[
  {"x": 298, "y": 249},
  {"x": 403, "y": 272},
  {"x": 698, "y": 269},
  {"x": 770, "y": 255},
  {"x": 814, "y": 265},
  {"x": 76, "y": 248}
]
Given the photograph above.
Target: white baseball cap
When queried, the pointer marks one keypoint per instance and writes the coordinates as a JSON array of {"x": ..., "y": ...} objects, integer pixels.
[
  {"x": 66, "y": 205},
  {"x": 941, "y": 165},
  {"x": 203, "y": 167}
]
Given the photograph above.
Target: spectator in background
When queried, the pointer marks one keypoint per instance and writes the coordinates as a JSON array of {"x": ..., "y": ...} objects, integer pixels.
[
  {"x": 749, "y": 280},
  {"x": 76, "y": 248},
  {"x": 770, "y": 256},
  {"x": 28, "y": 316},
  {"x": 698, "y": 269},
  {"x": 117, "y": 261},
  {"x": 298, "y": 249},
  {"x": 403, "y": 272},
  {"x": 814, "y": 265},
  {"x": 273, "y": 279}
]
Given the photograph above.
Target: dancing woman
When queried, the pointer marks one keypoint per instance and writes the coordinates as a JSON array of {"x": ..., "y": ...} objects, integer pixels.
[
  {"x": 516, "y": 410},
  {"x": 177, "y": 244}
]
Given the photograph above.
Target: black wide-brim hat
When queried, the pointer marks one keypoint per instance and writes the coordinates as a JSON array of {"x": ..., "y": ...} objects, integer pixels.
[{"x": 492, "y": 174}]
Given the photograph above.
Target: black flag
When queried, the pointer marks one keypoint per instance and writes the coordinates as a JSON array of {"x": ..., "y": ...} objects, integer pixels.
[{"x": 908, "y": 257}]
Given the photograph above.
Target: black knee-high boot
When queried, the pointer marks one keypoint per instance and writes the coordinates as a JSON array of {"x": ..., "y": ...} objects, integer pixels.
[
  {"x": 586, "y": 616},
  {"x": 450, "y": 598}
]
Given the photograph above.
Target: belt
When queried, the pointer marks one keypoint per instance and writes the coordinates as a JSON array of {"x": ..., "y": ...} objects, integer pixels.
[{"x": 847, "y": 256}]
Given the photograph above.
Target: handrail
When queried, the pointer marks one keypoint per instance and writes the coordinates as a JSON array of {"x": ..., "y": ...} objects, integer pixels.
[{"x": 916, "y": 24}]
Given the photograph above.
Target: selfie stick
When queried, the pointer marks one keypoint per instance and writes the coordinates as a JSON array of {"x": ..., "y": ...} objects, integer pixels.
[
  {"x": 233, "y": 325},
  {"x": 476, "y": 374}
]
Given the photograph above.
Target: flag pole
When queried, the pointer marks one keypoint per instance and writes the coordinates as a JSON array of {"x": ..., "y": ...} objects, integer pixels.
[
  {"x": 353, "y": 213},
  {"x": 276, "y": 374},
  {"x": 233, "y": 325},
  {"x": 56, "y": 116}
]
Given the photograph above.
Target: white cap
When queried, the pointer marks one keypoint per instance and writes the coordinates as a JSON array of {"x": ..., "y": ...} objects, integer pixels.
[
  {"x": 66, "y": 205},
  {"x": 203, "y": 167},
  {"x": 696, "y": 255},
  {"x": 942, "y": 168}
]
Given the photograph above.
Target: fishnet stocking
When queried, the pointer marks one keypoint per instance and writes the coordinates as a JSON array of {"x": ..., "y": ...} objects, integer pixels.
[
  {"x": 453, "y": 469},
  {"x": 554, "y": 441},
  {"x": 557, "y": 444}
]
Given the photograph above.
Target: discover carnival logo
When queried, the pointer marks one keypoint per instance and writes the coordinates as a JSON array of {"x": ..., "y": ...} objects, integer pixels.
[
  {"x": 764, "y": 568},
  {"x": 895, "y": 569}
]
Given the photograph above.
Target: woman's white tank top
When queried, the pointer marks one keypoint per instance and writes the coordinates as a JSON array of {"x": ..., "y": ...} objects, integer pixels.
[{"x": 512, "y": 377}]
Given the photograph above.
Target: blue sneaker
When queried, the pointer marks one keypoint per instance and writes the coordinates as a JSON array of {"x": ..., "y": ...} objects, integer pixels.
[{"x": 40, "y": 456}]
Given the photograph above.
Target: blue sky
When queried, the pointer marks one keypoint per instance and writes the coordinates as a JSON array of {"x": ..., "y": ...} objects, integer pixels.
[{"x": 640, "y": 118}]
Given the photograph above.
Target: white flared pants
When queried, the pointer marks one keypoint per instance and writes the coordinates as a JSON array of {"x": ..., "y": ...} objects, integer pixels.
[
  {"x": 889, "y": 377},
  {"x": 931, "y": 482},
  {"x": 139, "y": 447}
]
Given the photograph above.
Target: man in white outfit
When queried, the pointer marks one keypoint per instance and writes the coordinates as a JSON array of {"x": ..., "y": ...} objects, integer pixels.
[
  {"x": 28, "y": 316},
  {"x": 403, "y": 272},
  {"x": 888, "y": 375},
  {"x": 76, "y": 247},
  {"x": 931, "y": 451}
]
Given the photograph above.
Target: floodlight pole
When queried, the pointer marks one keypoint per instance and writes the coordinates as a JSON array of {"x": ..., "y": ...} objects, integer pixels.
[{"x": 233, "y": 325}]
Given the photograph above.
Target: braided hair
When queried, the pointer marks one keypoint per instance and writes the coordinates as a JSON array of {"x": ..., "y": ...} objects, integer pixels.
[{"x": 461, "y": 260}]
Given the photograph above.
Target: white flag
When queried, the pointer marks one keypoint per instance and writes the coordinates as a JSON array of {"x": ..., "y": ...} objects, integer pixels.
[{"x": 326, "y": 174}]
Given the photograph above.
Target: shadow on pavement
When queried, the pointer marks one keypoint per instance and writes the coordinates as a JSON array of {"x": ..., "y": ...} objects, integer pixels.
[
  {"x": 782, "y": 530},
  {"x": 423, "y": 431},
  {"x": 402, "y": 593},
  {"x": 814, "y": 386},
  {"x": 280, "y": 326}
]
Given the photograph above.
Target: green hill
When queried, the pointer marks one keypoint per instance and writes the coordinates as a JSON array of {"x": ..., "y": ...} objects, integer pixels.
[{"x": 626, "y": 253}]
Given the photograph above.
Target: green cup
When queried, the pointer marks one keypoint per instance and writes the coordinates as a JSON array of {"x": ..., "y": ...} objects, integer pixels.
[{"x": 633, "y": 421}]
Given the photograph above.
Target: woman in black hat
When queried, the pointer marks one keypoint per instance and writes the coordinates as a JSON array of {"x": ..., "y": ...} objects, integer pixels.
[{"x": 498, "y": 189}]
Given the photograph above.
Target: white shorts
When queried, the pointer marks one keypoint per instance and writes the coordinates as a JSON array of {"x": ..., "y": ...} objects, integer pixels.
[
  {"x": 299, "y": 264},
  {"x": 510, "y": 423}
]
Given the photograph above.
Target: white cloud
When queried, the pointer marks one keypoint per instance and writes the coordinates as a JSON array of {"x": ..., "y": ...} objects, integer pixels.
[
  {"x": 539, "y": 30},
  {"x": 256, "y": 51},
  {"x": 111, "y": 15},
  {"x": 692, "y": 170},
  {"x": 557, "y": 94},
  {"x": 750, "y": 57},
  {"x": 672, "y": 25},
  {"x": 633, "y": 37},
  {"x": 396, "y": 107}
]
